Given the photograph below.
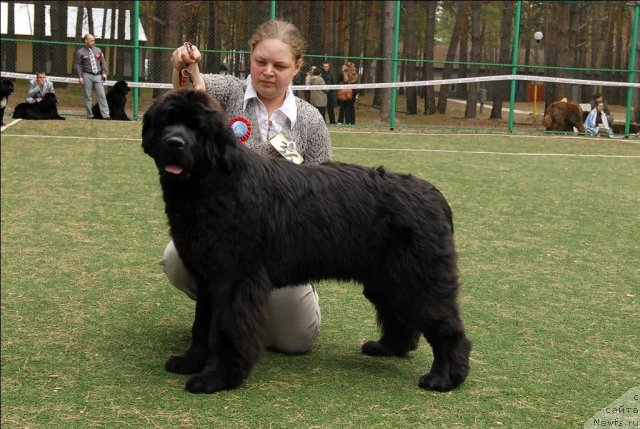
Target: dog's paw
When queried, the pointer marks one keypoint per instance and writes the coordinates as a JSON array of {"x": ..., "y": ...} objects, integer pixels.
[
  {"x": 201, "y": 383},
  {"x": 182, "y": 365},
  {"x": 437, "y": 382},
  {"x": 374, "y": 348}
]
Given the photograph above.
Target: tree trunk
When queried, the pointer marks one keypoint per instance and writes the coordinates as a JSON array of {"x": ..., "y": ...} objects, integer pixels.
[
  {"x": 118, "y": 57},
  {"x": 370, "y": 45},
  {"x": 501, "y": 89},
  {"x": 558, "y": 50},
  {"x": 213, "y": 60},
  {"x": 476, "y": 57},
  {"x": 40, "y": 49},
  {"x": 463, "y": 56},
  {"x": 451, "y": 54},
  {"x": 315, "y": 42},
  {"x": 429, "y": 95},
  {"x": 59, "y": 13},
  {"x": 90, "y": 19},
  {"x": 377, "y": 93},
  {"x": 410, "y": 51},
  {"x": 355, "y": 32},
  {"x": 79, "y": 18},
  {"x": 387, "y": 43},
  {"x": 168, "y": 33},
  {"x": 192, "y": 13},
  {"x": 617, "y": 95}
]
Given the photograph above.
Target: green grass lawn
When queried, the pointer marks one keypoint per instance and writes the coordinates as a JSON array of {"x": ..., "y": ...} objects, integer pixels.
[{"x": 549, "y": 241}]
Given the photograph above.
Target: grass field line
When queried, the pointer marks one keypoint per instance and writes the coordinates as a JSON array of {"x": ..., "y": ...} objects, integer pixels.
[
  {"x": 15, "y": 121},
  {"x": 546, "y": 136},
  {"x": 39, "y": 136},
  {"x": 479, "y": 152},
  {"x": 366, "y": 149}
]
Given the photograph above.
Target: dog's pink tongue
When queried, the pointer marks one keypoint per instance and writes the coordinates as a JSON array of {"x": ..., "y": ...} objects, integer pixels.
[{"x": 173, "y": 169}]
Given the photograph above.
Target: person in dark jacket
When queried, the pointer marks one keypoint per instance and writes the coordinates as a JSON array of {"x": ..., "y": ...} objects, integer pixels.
[{"x": 328, "y": 78}]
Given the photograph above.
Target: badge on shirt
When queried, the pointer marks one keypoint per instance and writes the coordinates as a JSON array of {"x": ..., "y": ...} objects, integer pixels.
[
  {"x": 241, "y": 128},
  {"x": 286, "y": 148}
]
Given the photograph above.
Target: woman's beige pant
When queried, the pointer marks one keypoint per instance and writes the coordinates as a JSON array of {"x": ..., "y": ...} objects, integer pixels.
[{"x": 293, "y": 312}]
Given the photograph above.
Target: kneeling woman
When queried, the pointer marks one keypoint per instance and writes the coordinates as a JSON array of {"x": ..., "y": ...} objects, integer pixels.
[{"x": 260, "y": 109}]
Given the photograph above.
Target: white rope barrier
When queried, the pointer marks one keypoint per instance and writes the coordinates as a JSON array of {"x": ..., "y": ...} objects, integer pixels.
[{"x": 507, "y": 77}]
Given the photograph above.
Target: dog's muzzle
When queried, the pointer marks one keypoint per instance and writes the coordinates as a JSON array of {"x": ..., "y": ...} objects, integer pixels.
[{"x": 175, "y": 157}]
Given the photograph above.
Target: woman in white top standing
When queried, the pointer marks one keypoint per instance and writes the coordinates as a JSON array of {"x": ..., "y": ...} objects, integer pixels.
[{"x": 262, "y": 109}]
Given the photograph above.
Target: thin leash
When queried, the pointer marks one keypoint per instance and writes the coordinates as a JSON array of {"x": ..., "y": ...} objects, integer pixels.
[{"x": 185, "y": 73}]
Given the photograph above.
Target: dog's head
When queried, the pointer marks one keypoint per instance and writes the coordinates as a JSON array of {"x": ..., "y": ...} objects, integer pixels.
[
  {"x": 49, "y": 101},
  {"x": 121, "y": 86},
  {"x": 186, "y": 134},
  {"x": 6, "y": 88}
]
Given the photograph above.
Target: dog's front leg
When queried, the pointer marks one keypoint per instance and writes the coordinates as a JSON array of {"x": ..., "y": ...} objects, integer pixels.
[
  {"x": 193, "y": 360},
  {"x": 237, "y": 336}
]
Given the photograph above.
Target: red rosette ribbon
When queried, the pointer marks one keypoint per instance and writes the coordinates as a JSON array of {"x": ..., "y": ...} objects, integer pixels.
[{"x": 241, "y": 128}]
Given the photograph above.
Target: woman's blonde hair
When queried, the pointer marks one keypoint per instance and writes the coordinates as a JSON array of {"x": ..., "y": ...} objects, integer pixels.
[{"x": 280, "y": 30}]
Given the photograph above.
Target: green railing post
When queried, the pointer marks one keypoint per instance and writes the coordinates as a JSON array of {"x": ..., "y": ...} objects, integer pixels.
[
  {"x": 632, "y": 66},
  {"x": 394, "y": 67},
  {"x": 514, "y": 67},
  {"x": 272, "y": 10},
  {"x": 136, "y": 56}
]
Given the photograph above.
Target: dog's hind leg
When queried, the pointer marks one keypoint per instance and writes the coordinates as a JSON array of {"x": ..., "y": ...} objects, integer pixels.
[
  {"x": 397, "y": 338},
  {"x": 237, "y": 336},
  {"x": 451, "y": 350}
]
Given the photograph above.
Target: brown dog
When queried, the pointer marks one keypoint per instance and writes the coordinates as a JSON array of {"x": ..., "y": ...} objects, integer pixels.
[{"x": 563, "y": 116}]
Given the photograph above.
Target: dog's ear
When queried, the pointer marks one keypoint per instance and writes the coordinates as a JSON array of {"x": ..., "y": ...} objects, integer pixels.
[
  {"x": 156, "y": 114},
  {"x": 219, "y": 141}
]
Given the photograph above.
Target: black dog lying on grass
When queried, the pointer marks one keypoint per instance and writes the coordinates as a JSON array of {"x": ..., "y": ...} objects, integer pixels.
[
  {"x": 47, "y": 108},
  {"x": 244, "y": 223},
  {"x": 6, "y": 89},
  {"x": 117, "y": 100}
]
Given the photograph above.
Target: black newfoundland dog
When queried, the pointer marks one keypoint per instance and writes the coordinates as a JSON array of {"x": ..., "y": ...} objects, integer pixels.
[
  {"x": 47, "y": 108},
  {"x": 244, "y": 224},
  {"x": 117, "y": 100},
  {"x": 6, "y": 89}
]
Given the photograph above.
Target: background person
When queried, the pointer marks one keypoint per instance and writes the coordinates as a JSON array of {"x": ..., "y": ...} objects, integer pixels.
[
  {"x": 38, "y": 87},
  {"x": 328, "y": 78},
  {"x": 597, "y": 122},
  {"x": 347, "y": 113},
  {"x": 263, "y": 106},
  {"x": 319, "y": 96},
  {"x": 597, "y": 98},
  {"x": 91, "y": 68}
]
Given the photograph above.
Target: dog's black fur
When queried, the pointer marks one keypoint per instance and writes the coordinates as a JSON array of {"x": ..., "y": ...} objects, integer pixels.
[
  {"x": 117, "y": 100},
  {"x": 244, "y": 223},
  {"x": 6, "y": 89},
  {"x": 47, "y": 108}
]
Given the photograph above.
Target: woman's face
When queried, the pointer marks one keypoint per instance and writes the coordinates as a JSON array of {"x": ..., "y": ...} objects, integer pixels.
[{"x": 273, "y": 67}]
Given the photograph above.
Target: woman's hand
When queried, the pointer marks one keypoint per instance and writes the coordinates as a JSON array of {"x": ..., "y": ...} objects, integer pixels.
[
  {"x": 184, "y": 58},
  {"x": 181, "y": 58}
]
